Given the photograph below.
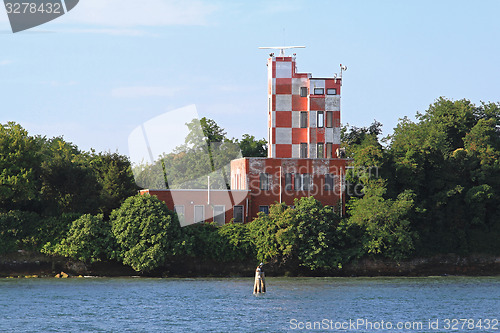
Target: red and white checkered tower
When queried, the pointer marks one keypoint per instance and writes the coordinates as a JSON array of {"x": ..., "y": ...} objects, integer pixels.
[{"x": 304, "y": 112}]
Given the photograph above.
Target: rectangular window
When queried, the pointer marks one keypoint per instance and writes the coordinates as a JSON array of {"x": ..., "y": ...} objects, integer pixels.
[
  {"x": 328, "y": 150},
  {"x": 329, "y": 119},
  {"x": 331, "y": 91},
  {"x": 199, "y": 214},
  {"x": 302, "y": 182},
  {"x": 303, "y": 150},
  {"x": 306, "y": 181},
  {"x": 238, "y": 214},
  {"x": 298, "y": 182},
  {"x": 264, "y": 181},
  {"x": 321, "y": 150},
  {"x": 288, "y": 181},
  {"x": 303, "y": 119},
  {"x": 303, "y": 91},
  {"x": 319, "y": 91},
  {"x": 264, "y": 209},
  {"x": 321, "y": 119},
  {"x": 179, "y": 210},
  {"x": 220, "y": 215},
  {"x": 329, "y": 182}
]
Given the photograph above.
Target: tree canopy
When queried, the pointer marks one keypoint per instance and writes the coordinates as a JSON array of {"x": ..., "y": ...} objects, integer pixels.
[
  {"x": 206, "y": 151},
  {"x": 449, "y": 159}
]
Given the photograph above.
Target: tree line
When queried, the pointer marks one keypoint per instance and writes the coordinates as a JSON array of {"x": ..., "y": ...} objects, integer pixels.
[{"x": 431, "y": 187}]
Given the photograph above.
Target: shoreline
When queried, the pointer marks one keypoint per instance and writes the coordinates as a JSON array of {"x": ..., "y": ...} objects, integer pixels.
[{"x": 32, "y": 265}]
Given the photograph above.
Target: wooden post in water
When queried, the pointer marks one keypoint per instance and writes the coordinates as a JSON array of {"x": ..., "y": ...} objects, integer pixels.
[{"x": 260, "y": 281}]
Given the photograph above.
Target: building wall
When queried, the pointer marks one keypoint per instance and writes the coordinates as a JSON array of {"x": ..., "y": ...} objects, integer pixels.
[
  {"x": 286, "y": 132},
  {"x": 297, "y": 135},
  {"x": 276, "y": 191},
  {"x": 191, "y": 198},
  {"x": 250, "y": 193}
]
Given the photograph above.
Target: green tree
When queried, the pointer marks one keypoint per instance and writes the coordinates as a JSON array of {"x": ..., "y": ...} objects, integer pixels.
[
  {"x": 204, "y": 131},
  {"x": 69, "y": 185},
  {"x": 448, "y": 158},
  {"x": 18, "y": 231},
  {"x": 200, "y": 240},
  {"x": 114, "y": 174},
  {"x": 19, "y": 168},
  {"x": 231, "y": 242},
  {"x": 89, "y": 239},
  {"x": 206, "y": 151},
  {"x": 146, "y": 232},
  {"x": 251, "y": 147},
  {"x": 307, "y": 235},
  {"x": 368, "y": 154},
  {"x": 386, "y": 228},
  {"x": 237, "y": 244},
  {"x": 53, "y": 229}
]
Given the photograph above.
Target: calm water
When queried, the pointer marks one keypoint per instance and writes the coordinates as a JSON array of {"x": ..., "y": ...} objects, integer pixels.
[{"x": 227, "y": 305}]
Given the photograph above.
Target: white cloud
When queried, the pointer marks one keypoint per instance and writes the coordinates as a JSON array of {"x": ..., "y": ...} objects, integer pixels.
[
  {"x": 133, "y": 13},
  {"x": 5, "y": 62},
  {"x": 144, "y": 91}
]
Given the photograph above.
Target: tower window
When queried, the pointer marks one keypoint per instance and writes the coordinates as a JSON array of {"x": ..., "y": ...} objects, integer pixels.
[
  {"x": 306, "y": 181},
  {"x": 238, "y": 214},
  {"x": 288, "y": 181},
  {"x": 264, "y": 209},
  {"x": 219, "y": 215},
  {"x": 328, "y": 150},
  {"x": 264, "y": 181},
  {"x": 199, "y": 213},
  {"x": 302, "y": 182},
  {"x": 303, "y": 119},
  {"x": 329, "y": 182},
  {"x": 329, "y": 119},
  {"x": 303, "y": 91},
  {"x": 321, "y": 119},
  {"x": 298, "y": 182},
  {"x": 303, "y": 150},
  {"x": 331, "y": 91},
  {"x": 319, "y": 91},
  {"x": 321, "y": 150},
  {"x": 179, "y": 210}
]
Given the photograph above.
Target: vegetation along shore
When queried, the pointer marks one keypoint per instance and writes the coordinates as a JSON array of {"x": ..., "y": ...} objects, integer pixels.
[{"x": 424, "y": 200}]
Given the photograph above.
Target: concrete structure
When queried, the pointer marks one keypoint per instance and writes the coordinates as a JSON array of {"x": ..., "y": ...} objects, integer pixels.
[{"x": 303, "y": 154}]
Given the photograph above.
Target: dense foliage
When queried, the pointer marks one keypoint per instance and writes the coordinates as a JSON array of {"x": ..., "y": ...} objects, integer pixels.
[
  {"x": 46, "y": 184},
  {"x": 431, "y": 187},
  {"x": 146, "y": 232},
  {"x": 446, "y": 166},
  {"x": 89, "y": 239},
  {"x": 305, "y": 235},
  {"x": 206, "y": 151},
  {"x": 385, "y": 227}
]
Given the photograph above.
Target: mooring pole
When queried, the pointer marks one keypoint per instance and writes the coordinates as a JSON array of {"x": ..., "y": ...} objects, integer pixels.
[{"x": 259, "y": 285}]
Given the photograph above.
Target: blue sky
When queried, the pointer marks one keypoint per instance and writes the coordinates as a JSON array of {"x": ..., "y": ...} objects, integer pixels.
[{"x": 106, "y": 67}]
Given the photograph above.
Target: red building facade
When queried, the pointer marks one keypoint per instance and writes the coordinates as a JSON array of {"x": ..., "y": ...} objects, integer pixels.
[
  {"x": 304, "y": 112},
  {"x": 303, "y": 154}
]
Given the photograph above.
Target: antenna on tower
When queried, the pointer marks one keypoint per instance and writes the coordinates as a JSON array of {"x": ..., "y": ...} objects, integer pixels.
[
  {"x": 342, "y": 69},
  {"x": 282, "y": 48}
]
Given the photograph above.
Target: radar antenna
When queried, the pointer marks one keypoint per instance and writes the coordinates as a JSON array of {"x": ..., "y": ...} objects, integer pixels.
[{"x": 282, "y": 48}]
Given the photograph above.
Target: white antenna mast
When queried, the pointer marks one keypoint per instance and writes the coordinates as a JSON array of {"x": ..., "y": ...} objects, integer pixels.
[{"x": 282, "y": 48}]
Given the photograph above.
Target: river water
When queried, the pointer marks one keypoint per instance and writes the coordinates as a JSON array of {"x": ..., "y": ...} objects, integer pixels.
[{"x": 434, "y": 304}]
